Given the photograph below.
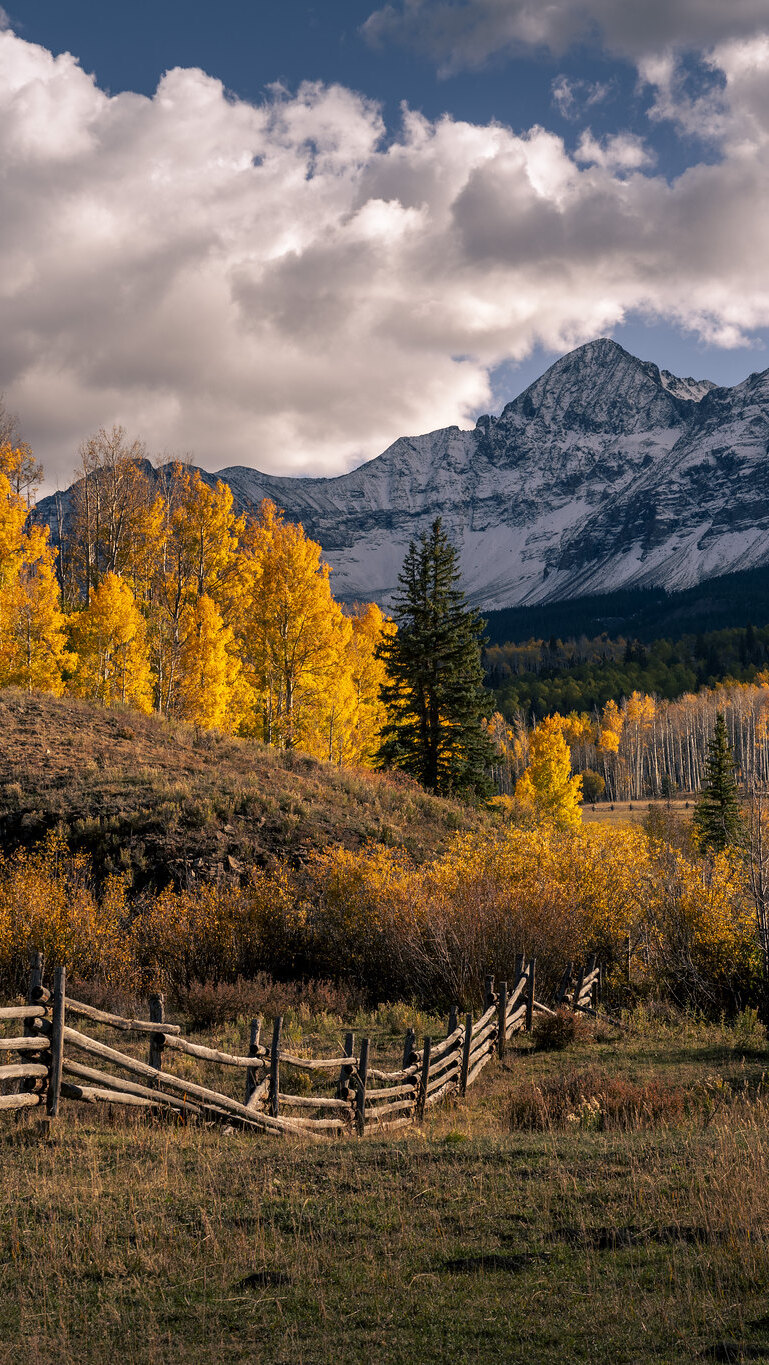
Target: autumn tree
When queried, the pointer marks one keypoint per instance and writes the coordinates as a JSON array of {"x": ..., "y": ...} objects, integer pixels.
[
  {"x": 33, "y": 645},
  {"x": 208, "y": 669},
  {"x": 435, "y": 698},
  {"x": 293, "y": 635},
  {"x": 117, "y": 521},
  {"x": 109, "y": 637},
  {"x": 547, "y": 786}
]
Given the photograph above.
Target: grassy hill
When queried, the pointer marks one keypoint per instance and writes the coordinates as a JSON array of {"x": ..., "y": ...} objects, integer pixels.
[{"x": 166, "y": 802}]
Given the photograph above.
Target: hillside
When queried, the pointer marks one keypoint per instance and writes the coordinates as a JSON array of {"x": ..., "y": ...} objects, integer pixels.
[{"x": 165, "y": 802}]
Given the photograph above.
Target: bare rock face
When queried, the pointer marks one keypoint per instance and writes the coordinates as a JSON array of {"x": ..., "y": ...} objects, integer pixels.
[{"x": 605, "y": 473}]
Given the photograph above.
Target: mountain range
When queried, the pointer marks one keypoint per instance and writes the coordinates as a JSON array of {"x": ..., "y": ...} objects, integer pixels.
[{"x": 606, "y": 474}]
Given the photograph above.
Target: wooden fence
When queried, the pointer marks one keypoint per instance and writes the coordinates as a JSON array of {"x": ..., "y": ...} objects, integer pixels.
[{"x": 350, "y": 1094}]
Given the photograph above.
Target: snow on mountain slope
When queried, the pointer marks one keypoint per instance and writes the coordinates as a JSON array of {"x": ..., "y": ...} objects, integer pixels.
[{"x": 605, "y": 473}]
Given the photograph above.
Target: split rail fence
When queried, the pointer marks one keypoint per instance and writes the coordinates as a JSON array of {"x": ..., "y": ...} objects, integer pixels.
[{"x": 57, "y": 1060}]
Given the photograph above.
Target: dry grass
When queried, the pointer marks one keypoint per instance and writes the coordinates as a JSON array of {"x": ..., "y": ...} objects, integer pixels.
[
  {"x": 164, "y": 801},
  {"x": 633, "y": 812},
  {"x": 460, "y": 1241}
]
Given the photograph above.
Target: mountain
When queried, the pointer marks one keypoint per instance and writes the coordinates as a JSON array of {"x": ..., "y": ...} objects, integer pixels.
[{"x": 606, "y": 474}]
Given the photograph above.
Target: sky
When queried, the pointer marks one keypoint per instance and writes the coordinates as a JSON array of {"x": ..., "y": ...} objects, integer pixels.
[{"x": 283, "y": 234}]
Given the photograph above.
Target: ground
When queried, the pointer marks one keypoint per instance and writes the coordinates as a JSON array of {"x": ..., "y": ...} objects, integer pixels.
[{"x": 468, "y": 1239}]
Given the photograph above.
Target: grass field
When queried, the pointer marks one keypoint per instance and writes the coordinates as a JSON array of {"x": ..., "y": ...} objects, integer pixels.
[
  {"x": 586, "y": 1232},
  {"x": 633, "y": 812}
]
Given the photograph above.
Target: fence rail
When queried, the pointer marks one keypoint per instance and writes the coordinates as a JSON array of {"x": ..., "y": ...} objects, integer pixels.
[{"x": 57, "y": 1061}]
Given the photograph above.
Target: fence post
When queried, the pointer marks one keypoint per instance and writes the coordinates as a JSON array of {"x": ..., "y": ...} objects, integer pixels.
[
  {"x": 36, "y": 995},
  {"x": 408, "y": 1048},
  {"x": 275, "y": 1066},
  {"x": 345, "y": 1072},
  {"x": 157, "y": 1005},
  {"x": 488, "y": 993},
  {"x": 428, "y": 1044},
  {"x": 360, "y": 1099},
  {"x": 467, "y": 1043},
  {"x": 453, "y": 1020},
  {"x": 599, "y": 987},
  {"x": 57, "y": 1042},
  {"x": 530, "y": 993},
  {"x": 253, "y": 1051},
  {"x": 502, "y": 1024},
  {"x": 578, "y": 990},
  {"x": 563, "y": 988}
]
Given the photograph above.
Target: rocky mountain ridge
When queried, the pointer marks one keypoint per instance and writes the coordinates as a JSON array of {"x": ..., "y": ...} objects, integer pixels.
[{"x": 606, "y": 473}]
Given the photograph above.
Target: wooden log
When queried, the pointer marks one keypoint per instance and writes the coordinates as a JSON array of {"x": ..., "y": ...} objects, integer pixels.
[
  {"x": 453, "y": 1021},
  {"x": 157, "y": 1016},
  {"x": 377, "y": 1115},
  {"x": 502, "y": 1022},
  {"x": 207, "y": 1054},
  {"x": 450, "y": 1063},
  {"x": 56, "y": 1055},
  {"x": 275, "y": 1066},
  {"x": 89, "y": 1094},
  {"x": 311, "y": 1125},
  {"x": 103, "y": 1080},
  {"x": 313, "y": 1063},
  {"x": 259, "y": 1093},
  {"x": 517, "y": 1020},
  {"x": 485, "y": 1050},
  {"x": 389, "y": 1092},
  {"x": 395, "y": 1123},
  {"x": 565, "y": 982},
  {"x": 575, "y": 999},
  {"x": 22, "y": 1012},
  {"x": 22, "y": 1071},
  {"x": 118, "y": 1021},
  {"x": 467, "y": 1043},
  {"x": 26, "y": 1100},
  {"x": 477, "y": 1069},
  {"x": 490, "y": 1013},
  {"x": 436, "y": 1095},
  {"x": 345, "y": 1072},
  {"x": 446, "y": 1045},
  {"x": 442, "y": 1079},
  {"x": 360, "y": 1097},
  {"x": 404, "y": 1075},
  {"x": 314, "y": 1102},
  {"x": 35, "y": 1043},
  {"x": 517, "y": 991},
  {"x": 409, "y": 1047},
  {"x": 544, "y": 1009},
  {"x": 532, "y": 973},
  {"x": 424, "y": 1077},
  {"x": 480, "y": 1035},
  {"x": 252, "y": 1074},
  {"x": 168, "y": 1082}
]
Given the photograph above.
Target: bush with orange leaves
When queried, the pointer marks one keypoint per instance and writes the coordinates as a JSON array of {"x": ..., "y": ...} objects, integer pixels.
[
  {"x": 373, "y": 918},
  {"x": 46, "y": 902}
]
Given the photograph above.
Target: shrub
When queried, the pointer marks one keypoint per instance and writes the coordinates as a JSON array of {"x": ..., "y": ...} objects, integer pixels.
[
  {"x": 555, "y": 1032},
  {"x": 592, "y": 1099}
]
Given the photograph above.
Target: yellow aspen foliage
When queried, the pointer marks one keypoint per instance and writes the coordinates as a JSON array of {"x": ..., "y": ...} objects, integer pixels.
[
  {"x": 612, "y": 722},
  {"x": 33, "y": 646},
  {"x": 13, "y": 514},
  {"x": 547, "y": 787},
  {"x": 366, "y": 673},
  {"x": 292, "y": 632},
  {"x": 208, "y": 692},
  {"x": 109, "y": 638}
]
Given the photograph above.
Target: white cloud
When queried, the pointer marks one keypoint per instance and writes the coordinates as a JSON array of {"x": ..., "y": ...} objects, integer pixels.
[
  {"x": 466, "y": 33},
  {"x": 620, "y": 152},
  {"x": 571, "y": 96},
  {"x": 284, "y": 287}
]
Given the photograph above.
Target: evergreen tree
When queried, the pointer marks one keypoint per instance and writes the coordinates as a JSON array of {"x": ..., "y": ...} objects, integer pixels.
[
  {"x": 434, "y": 695},
  {"x": 717, "y": 820}
]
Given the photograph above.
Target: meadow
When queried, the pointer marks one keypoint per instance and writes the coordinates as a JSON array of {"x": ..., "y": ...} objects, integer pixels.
[{"x": 610, "y": 1201}]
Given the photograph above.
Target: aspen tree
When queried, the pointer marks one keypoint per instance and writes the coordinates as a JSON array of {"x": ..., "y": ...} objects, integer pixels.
[
  {"x": 109, "y": 637},
  {"x": 33, "y": 649},
  {"x": 547, "y": 786},
  {"x": 208, "y": 670}
]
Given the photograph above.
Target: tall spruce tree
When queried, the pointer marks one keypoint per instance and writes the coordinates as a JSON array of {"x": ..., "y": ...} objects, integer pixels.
[
  {"x": 717, "y": 819},
  {"x": 434, "y": 695}
]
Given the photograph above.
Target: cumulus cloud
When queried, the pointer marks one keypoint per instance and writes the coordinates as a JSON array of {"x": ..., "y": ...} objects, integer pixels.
[
  {"x": 466, "y": 33},
  {"x": 287, "y": 287}
]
